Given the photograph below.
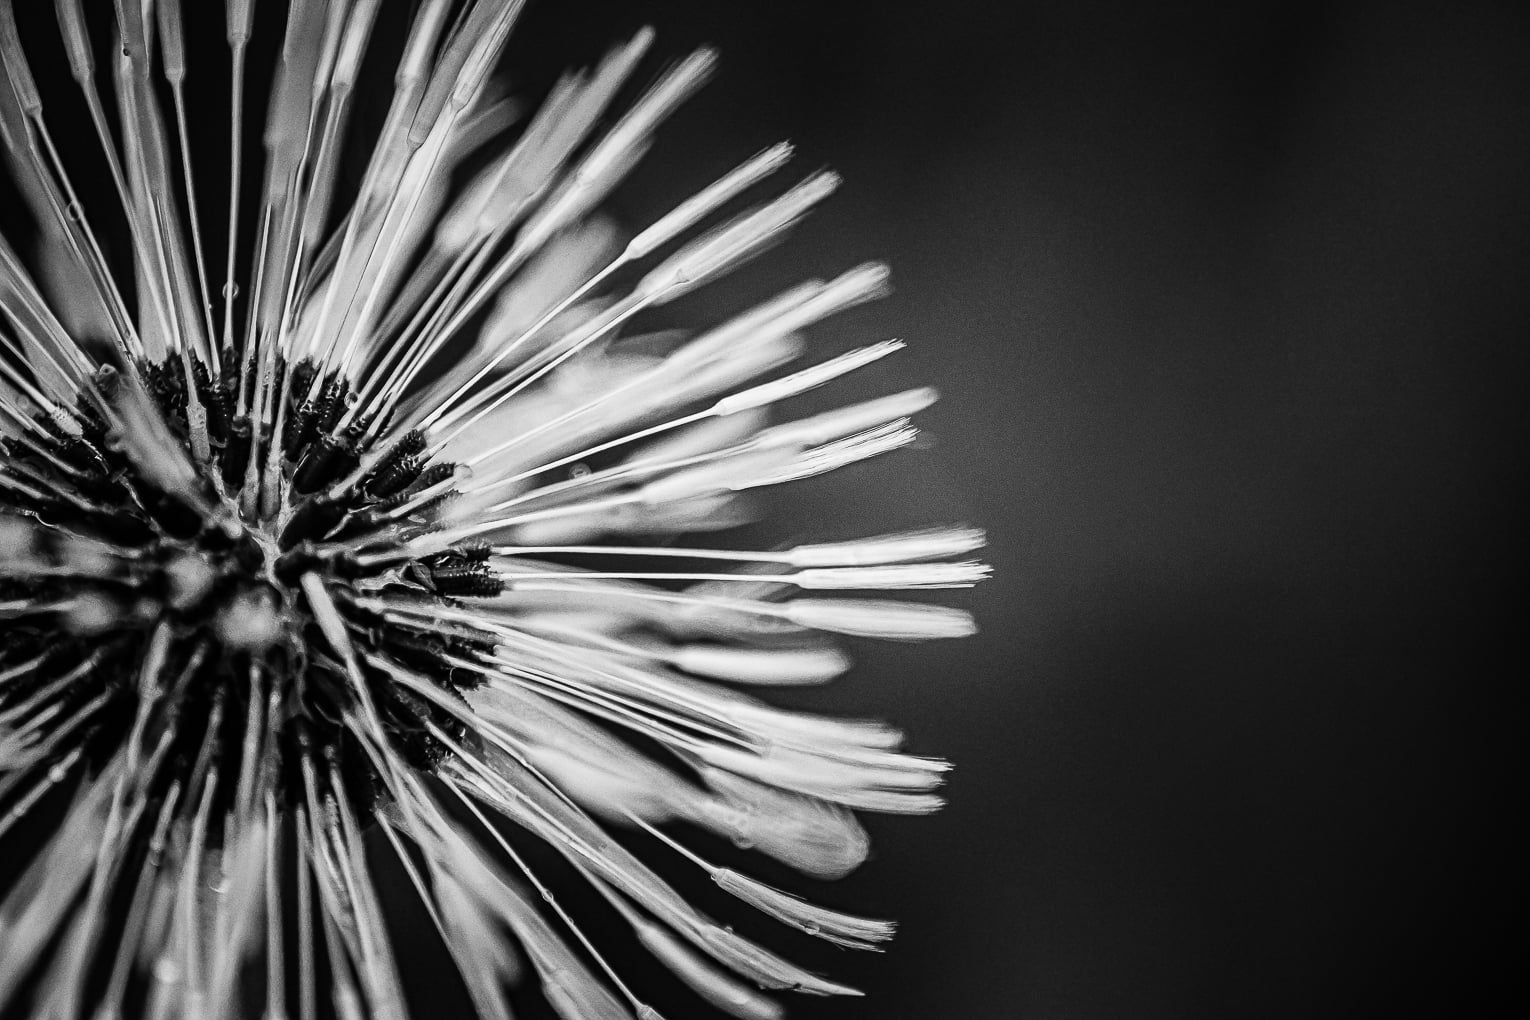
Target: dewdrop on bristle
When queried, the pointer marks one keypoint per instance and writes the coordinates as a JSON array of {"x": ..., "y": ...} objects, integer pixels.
[{"x": 348, "y": 513}]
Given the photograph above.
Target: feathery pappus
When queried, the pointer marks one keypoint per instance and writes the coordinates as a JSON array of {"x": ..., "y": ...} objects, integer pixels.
[{"x": 371, "y": 533}]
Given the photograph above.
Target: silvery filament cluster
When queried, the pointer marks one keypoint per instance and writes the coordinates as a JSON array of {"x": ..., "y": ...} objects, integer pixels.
[{"x": 390, "y": 546}]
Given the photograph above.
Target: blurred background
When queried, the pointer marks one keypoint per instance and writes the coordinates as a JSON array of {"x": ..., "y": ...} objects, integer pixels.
[{"x": 1228, "y": 305}]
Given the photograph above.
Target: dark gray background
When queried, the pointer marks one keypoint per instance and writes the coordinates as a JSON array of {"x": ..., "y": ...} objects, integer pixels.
[{"x": 1228, "y": 304}]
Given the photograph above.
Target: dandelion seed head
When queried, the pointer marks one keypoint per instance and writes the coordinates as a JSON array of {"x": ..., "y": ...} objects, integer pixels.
[{"x": 370, "y": 508}]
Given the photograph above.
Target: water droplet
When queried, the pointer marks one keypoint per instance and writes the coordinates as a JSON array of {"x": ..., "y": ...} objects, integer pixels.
[
  {"x": 580, "y": 470},
  {"x": 75, "y": 211},
  {"x": 812, "y": 929},
  {"x": 742, "y": 841},
  {"x": 230, "y": 290},
  {"x": 59, "y": 772}
]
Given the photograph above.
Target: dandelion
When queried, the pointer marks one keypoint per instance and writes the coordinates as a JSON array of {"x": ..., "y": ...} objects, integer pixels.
[{"x": 374, "y": 547}]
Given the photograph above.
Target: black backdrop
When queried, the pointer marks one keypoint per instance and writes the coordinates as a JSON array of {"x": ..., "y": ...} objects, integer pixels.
[{"x": 1227, "y": 303}]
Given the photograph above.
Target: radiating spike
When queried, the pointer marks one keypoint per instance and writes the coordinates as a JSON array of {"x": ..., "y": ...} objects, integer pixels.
[{"x": 731, "y": 244}]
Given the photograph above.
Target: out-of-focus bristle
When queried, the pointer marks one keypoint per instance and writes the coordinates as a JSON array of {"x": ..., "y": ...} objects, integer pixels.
[{"x": 14, "y": 57}]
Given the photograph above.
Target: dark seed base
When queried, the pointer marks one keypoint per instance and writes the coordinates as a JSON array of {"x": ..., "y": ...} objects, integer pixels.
[{"x": 202, "y": 689}]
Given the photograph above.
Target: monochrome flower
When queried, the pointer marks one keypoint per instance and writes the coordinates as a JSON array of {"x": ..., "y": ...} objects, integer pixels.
[{"x": 392, "y": 535}]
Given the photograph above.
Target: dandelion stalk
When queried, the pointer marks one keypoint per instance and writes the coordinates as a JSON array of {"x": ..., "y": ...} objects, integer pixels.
[{"x": 395, "y": 547}]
